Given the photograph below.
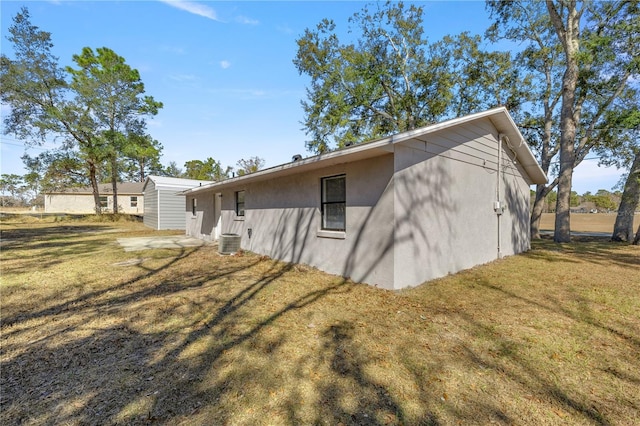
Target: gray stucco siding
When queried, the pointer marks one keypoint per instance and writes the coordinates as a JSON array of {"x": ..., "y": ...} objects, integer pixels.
[
  {"x": 445, "y": 218},
  {"x": 284, "y": 216},
  {"x": 419, "y": 205},
  {"x": 201, "y": 225}
]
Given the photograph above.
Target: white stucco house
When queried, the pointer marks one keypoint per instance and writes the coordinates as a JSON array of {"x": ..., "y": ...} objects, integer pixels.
[
  {"x": 164, "y": 201},
  {"x": 394, "y": 212},
  {"x": 80, "y": 200}
]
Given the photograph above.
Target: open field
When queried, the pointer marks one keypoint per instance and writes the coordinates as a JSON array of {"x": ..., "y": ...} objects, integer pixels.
[
  {"x": 587, "y": 222},
  {"x": 92, "y": 334}
]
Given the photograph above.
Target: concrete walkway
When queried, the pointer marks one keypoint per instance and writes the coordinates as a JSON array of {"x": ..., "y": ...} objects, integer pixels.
[{"x": 167, "y": 241}]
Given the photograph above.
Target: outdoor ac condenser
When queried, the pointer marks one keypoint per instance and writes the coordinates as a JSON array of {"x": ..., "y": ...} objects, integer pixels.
[{"x": 229, "y": 243}]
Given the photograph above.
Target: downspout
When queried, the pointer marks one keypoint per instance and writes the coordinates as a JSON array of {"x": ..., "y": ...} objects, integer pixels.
[{"x": 497, "y": 205}]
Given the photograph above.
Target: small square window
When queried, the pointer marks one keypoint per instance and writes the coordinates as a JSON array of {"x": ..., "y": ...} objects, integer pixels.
[
  {"x": 104, "y": 203},
  {"x": 240, "y": 203},
  {"x": 134, "y": 201},
  {"x": 333, "y": 203}
]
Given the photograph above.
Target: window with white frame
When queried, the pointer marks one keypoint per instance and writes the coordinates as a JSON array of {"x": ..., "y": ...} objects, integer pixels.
[
  {"x": 104, "y": 202},
  {"x": 134, "y": 201},
  {"x": 333, "y": 203}
]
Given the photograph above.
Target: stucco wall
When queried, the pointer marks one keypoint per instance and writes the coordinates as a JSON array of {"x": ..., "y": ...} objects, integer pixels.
[
  {"x": 421, "y": 212},
  {"x": 202, "y": 224},
  {"x": 284, "y": 217},
  {"x": 445, "y": 190},
  {"x": 83, "y": 204}
]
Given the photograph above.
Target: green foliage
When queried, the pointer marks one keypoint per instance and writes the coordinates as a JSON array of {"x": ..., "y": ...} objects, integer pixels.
[
  {"x": 112, "y": 95},
  {"x": 392, "y": 79},
  {"x": 253, "y": 164},
  {"x": 96, "y": 110},
  {"x": 172, "y": 170},
  {"x": 206, "y": 170},
  {"x": 575, "y": 199},
  {"x": 581, "y": 79},
  {"x": 9, "y": 183},
  {"x": 32, "y": 84}
]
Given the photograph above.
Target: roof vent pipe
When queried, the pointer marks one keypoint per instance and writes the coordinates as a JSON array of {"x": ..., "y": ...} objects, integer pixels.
[{"x": 296, "y": 157}]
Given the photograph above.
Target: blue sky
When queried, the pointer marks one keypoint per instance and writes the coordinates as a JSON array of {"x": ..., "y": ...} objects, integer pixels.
[{"x": 223, "y": 70}]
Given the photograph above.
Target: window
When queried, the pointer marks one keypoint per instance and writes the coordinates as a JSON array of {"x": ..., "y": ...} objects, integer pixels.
[
  {"x": 333, "y": 203},
  {"x": 103, "y": 203},
  {"x": 134, "y": 201},
  {"x": 240, "y": 203},
  {"x": 194, "y": 204}
]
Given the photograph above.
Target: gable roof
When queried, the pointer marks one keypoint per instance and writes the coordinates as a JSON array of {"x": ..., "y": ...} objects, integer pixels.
[
  {"x": 499, "y": 117},
  {"x": 124, "y": 188},
  {"x": 172, "y": 183}
]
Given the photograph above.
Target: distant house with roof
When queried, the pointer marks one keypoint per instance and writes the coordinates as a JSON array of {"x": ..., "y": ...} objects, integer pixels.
[
  {"x": 394, "y": 212},
  {"x": 80, "y": 200},
  {"x": 164, "y": 203}
]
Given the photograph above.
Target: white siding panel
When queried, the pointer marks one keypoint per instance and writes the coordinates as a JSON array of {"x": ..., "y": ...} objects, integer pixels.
[
  {"x": 172, "y": 207},
  {"x": 151, "y": 206}
]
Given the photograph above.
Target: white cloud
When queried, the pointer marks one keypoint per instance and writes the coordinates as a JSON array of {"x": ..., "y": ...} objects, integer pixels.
[
  {"x": 193, "y": 7},
  {"x": 245, "y": 20},
  {"x": 182, "y": 77},
  {"x": 225, "y": 64}
]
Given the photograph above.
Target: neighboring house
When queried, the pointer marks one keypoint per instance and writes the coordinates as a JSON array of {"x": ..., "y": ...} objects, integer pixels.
[
  {"x": 164, "y": 201},
  {"x": 395, "y": 212},
  {"x": 80, "y": 200}
]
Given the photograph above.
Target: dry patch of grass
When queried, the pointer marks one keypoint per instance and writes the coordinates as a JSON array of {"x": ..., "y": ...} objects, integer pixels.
[
  {"x": 95, "y": 335},
  {"x": 586, "y": 222}
]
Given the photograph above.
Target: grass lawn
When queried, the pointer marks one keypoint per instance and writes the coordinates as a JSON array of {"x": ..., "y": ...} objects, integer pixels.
[
  {"x": 587, "y": 222},
  {"x": 92, "y": 334}
]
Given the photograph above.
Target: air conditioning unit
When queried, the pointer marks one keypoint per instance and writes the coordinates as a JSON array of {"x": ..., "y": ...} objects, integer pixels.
[{"x": 229, "y": 243}]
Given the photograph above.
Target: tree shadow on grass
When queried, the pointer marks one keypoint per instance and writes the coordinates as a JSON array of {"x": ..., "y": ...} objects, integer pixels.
[
  {"x": 598, "y": 250},
  {"x": 372, "y": 403}
]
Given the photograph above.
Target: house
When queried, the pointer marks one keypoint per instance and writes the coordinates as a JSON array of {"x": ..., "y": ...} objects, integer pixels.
[
  {"x": 164, "y": 202},
  {"x": 80, "y": 200},
  {"x": 394, "y": 213}
]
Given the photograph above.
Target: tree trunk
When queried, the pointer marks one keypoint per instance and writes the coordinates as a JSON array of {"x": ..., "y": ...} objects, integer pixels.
[
  {"x": 569, "y": 35},
  {"x": 142, "y": 170},
  {"x": 94, "y": 186},
  {"x": 114, "y": 183},
  {"x": 562, "y": 232},
  {"x": 536, "y": 212},
  {"x": 623, "y": 229}
]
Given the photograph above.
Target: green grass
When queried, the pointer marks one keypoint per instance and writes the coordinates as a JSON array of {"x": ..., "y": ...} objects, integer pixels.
[{"x": 187, "y": 336}]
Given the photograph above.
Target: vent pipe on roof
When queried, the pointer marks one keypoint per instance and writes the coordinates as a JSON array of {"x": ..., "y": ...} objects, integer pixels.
[{"x": 296, "y": 157}]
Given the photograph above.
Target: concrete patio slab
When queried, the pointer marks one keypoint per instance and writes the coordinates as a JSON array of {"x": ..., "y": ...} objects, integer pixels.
[{"x": 167, "y": 241}]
